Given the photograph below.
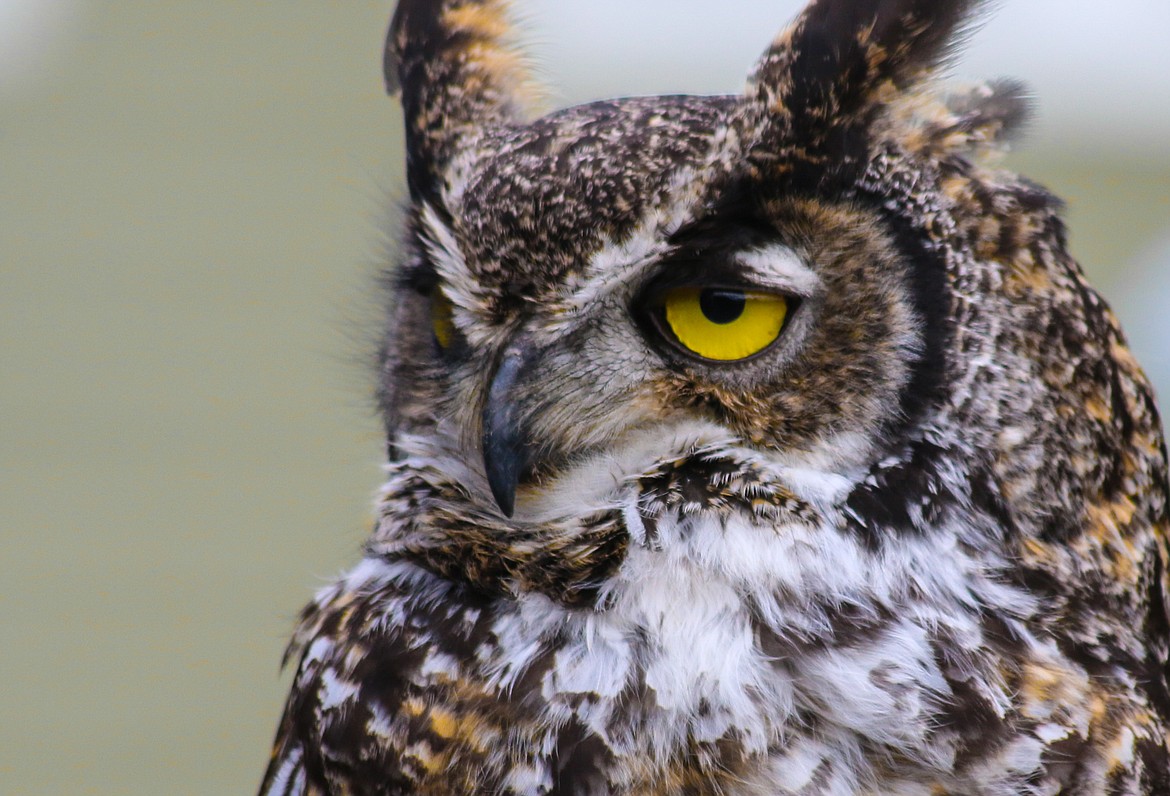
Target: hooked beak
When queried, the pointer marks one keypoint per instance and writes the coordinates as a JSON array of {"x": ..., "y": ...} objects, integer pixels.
[{"x": 507, "y": 453}]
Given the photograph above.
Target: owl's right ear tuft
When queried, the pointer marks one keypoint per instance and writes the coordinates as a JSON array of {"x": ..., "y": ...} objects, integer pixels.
[
  {"x": 457, "y": 73},
  {"x": 823, "y": 80}
]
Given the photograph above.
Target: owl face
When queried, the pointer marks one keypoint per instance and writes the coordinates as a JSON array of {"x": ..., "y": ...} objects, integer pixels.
[{"x": 640, "y": 263}]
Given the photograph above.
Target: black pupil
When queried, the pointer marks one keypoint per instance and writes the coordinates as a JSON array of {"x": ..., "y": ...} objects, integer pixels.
[{"x": 722, "y": 306}]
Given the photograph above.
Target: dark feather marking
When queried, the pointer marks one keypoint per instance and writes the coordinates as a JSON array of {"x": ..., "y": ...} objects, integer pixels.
[
  {"x": 967, "y": 712},
  {"x": 580, "y": 762},
  {"x": 716, "y": 485},
  {"x": 932, "y": 297},
  {"x": 885, "y": 498}
]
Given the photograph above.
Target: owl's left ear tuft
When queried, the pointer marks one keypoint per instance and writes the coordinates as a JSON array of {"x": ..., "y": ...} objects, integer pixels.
[
  {"x": 842, "y": 59},
  {"x": 457, "y": 71}
]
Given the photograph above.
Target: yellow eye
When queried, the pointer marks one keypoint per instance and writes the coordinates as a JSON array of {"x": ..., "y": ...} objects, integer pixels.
[
  {"x": 442, "y": 319},
  {"x": 724, "y": 324}
]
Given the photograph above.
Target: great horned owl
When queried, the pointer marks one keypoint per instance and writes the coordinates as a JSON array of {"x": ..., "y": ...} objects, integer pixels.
[{"x": 760, "y": 444}]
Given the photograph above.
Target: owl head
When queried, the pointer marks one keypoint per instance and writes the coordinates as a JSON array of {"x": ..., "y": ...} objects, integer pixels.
[{"x": 827, "y": 269}]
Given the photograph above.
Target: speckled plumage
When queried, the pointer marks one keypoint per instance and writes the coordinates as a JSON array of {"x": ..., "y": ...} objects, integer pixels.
[{"x": 918, "y": 545}]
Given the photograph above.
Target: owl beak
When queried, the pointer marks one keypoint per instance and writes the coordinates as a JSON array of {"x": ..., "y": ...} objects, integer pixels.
[{"x": 506, "y": 452}]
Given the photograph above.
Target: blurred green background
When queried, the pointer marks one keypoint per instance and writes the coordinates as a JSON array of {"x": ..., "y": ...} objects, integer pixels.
[{"x": 194, "y": 198}]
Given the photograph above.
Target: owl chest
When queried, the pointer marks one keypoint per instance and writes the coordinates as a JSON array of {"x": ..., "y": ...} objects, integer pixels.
[
  {"x": 675, "y": 660},
  {"x": 706, "y": 665}
]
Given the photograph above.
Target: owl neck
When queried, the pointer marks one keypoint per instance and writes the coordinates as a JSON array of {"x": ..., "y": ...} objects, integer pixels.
[{"x": 569, "y": 550}]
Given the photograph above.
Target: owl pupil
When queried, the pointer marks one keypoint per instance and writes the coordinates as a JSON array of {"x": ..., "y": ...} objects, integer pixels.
[{"x": 722, "y": 306}]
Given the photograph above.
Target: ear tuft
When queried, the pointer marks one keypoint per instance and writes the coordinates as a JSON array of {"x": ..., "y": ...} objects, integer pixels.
[
  {"x": 457, "y": 73},
  {"x": 842, "y": 59}
]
